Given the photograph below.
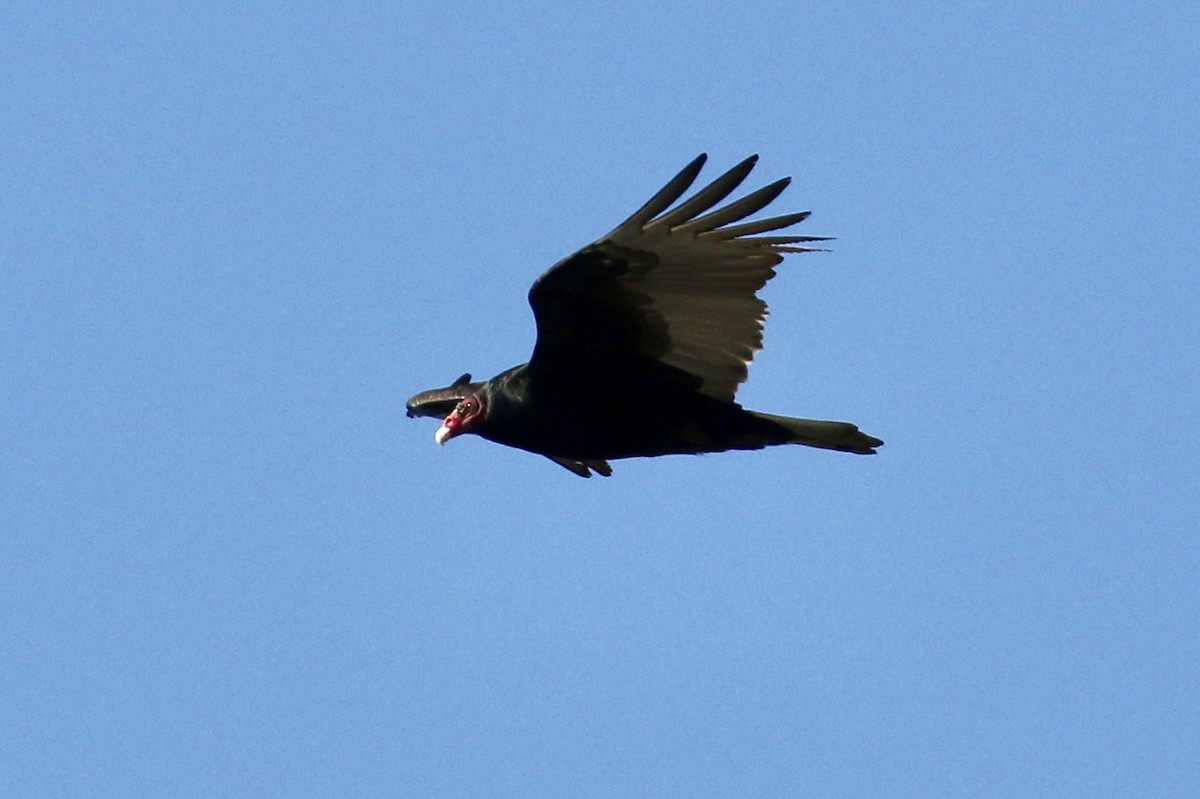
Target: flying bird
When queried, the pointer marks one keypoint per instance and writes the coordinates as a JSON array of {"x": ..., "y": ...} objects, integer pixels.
[{"x": 643, "y": 338}]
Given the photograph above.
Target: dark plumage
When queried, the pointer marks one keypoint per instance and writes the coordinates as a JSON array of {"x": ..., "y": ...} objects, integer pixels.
[{"x": 643, "y": 338}]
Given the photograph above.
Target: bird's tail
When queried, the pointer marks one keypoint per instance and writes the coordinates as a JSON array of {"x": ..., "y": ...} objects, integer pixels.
[{"x": 841, "y": 436}]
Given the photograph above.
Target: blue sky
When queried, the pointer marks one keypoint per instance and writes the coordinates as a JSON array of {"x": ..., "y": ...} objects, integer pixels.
[{"x": 236, "y": 239}]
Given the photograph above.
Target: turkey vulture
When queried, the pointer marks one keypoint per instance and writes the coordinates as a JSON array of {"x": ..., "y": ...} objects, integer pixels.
[{"x": 643, "y": 338}]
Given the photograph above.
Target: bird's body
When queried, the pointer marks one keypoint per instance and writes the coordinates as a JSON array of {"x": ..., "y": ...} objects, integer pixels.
[{"x": 643, "y": 338}]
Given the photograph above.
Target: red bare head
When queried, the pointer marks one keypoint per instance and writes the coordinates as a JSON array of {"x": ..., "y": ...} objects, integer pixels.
[{"x": 465, "y": 418}]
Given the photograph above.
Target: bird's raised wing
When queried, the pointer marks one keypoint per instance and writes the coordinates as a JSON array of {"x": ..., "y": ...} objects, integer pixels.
[{"x": 673, "y": 285}]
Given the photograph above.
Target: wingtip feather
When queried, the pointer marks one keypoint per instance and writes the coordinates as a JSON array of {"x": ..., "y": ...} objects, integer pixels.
[{"x": 663, "y": 199}]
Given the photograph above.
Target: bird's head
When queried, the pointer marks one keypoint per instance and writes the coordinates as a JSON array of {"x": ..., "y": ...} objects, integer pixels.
[{"x": 467, "y": 416}]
